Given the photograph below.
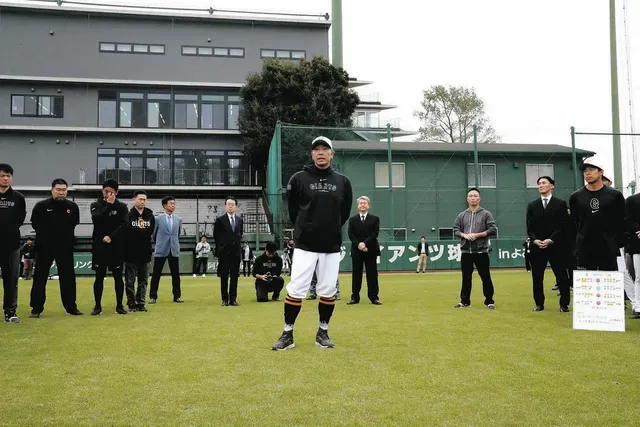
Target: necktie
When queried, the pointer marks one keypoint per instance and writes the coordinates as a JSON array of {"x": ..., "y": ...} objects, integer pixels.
[
  {"x": 170, "y": 223},
  {"x": 362, "y": 218},
  {"x": 544, "y": 203},
  {"x": 233, "y": 223}
]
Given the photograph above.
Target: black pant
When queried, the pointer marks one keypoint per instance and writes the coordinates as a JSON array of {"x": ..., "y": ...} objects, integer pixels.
[
  {"x": 481, "y": 262},
  {"x": 174, "y": 268},
  {"x": 10, "y": 265},
  {"x": 263, "y": 288},
  {"x": 369, "y": 262},
  {"x": 229, "y": 268},
  {"x": 133, "y": 271},
  {"x": 246, "y": 268},
  {"x": 67, "y": 274},
  {"x": 118, "y": 282},
  {"x": 201, "y": 266},
  {"x": 594, "y": 262},
  {"x": 557, "y": 259}
]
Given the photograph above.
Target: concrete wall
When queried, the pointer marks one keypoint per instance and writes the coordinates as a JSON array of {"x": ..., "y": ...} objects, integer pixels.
[{"x": 28, "y": 48}]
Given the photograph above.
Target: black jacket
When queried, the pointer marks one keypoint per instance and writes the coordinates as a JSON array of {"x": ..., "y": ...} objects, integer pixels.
[
  {"x": 28, "y": 251},
  {"x": 227, "y": 240},
  {"x": 632, "y": 208},
  {"x": 138, "y": 236},
  {"x": 366, "y": 233},
  {"x": 598, "y": 222},
  {"x": 13, "y": 211},
  {"x": 108, "y": 220},
  {"x": 55, "y": 223},
  {"x": 319, "y": 205},
  {"x": 426, "y": 248},
  {"x": 264, "y": 264},
  {"x": 550, "y": 223}
]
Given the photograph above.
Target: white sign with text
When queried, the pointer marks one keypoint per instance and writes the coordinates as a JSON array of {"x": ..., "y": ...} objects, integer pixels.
[{"x": 598, "y": 300}]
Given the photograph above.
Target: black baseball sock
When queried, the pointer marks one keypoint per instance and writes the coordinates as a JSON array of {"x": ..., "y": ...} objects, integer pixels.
[
  {"x": 292, "y": 307},
  {"x": 325, "y": 310}
]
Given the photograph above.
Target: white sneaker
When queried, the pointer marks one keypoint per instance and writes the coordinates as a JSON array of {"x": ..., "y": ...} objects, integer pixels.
[
  {"x": 491, "y": 306},
  {"x": 194, "y": 275},
  {"x": 204, "y": 275}
]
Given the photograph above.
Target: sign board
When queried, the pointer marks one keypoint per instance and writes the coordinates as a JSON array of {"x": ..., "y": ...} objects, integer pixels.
[{"x": 598, "y": 300}]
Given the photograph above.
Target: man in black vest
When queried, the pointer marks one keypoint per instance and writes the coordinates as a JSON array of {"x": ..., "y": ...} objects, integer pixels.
[
  {"x": 363, "y": 232},
  {"x": 547, "y": 223}
]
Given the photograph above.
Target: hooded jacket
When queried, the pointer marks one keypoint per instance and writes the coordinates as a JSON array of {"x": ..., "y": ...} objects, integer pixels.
[
  {"x": 319, "y": 205},
  {"x": 468, "y": 222}
]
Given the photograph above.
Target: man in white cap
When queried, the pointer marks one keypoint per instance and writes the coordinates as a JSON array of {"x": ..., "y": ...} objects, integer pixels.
[
  {"x": 598, "y": 218},
  {"x": 319, "y": 201}
]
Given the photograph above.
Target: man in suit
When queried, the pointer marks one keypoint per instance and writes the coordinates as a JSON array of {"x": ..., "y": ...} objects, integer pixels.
[
  {"x": 227, "y": 234},
  {"x": 166, "y": 234},
  {"x": 363, "y": 232},
  {"x": 547, "y": 221}
]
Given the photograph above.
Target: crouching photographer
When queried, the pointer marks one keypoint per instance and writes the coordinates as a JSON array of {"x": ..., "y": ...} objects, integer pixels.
[{"x": 267, "y": 269}]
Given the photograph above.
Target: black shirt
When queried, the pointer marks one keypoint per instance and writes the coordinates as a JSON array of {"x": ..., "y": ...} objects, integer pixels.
[
  {"x": 55, "y": 223},
  {"x": 12, "y": 214},
  {"x": 264, "y": 264},
  {"x": 138, "y": 236},
  {"x": 598, "y": 219}
]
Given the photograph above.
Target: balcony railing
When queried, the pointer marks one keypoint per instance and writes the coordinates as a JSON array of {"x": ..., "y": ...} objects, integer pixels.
[
  {"x": 204, "y": 176},
  {"x": 374, "y": 122}
]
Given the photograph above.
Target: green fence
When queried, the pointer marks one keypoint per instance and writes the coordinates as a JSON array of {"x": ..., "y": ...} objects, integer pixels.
[{"x": 394, "y": 256}]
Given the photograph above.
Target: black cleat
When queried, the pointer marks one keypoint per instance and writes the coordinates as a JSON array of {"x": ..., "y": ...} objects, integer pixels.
[
  {"x": 97, "y": 310},
  {"x": 564, "y": 309},
  {"x": 323, "y": 340},
  {"x": 538, "y": 308},
  {"x": 152, "y": 300},
  {"x": 234, "y": 304},
  {"x": 353, "y": 302},
  {"x": 285, "y": 342},
  {"x": 461, "y": 305},
  {"x": 225, "y": 303},
  {"x": 75, "y": 312},
  {"x": 120, "y": 310},
  {"x": 132, "y": 309},
  {"x": 311, "y": 297},
  {"x": 34, "y": 315},
  {"x": 178, "y": 300},
  {"x": 141, "y": 307},
  {"x": 11, "y": 318}
]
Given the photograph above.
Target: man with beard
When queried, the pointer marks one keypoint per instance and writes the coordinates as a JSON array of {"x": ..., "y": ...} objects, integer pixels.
[{"x": 54, "y": 220}]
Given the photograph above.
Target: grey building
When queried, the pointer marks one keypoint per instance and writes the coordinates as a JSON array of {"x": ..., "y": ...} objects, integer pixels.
[{"x": 147, "y": 97}]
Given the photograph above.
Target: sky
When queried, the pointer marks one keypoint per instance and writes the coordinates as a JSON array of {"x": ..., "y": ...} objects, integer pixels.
[{"x": 540, "y": 66}]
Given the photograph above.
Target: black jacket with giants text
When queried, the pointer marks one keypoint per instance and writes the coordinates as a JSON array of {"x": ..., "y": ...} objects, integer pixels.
[
  {"x": 138, "y": 236},
  {"x": 319, "y": 205}
]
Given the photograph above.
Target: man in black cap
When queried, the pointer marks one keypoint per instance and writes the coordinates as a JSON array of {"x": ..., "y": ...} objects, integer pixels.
[
  {"x": 55, "y": 220},
  {"x": 598, "y": 220},
  {"x": 109, "y": 216},
  {"x": 12, "y": 214}
]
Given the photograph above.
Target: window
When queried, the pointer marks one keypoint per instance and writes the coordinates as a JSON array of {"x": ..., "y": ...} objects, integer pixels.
[
  {"x": 186, "y": 115},
  {"x": 235, "y": 52},
  {"x": 486, "y": 175},
  {"x": 283, "y": 54},
  {"x": 445, "y": 234},
  {"x": 233, "y": 115},
  {"x": 37, "y": 106},
  {"x": 111, "y": 47},
  {"x": 107, "y": 109},
  {"x": 133, "y": 110},
  {"x": 382, "y": 175},
  {"x": 533, "y": 172}
]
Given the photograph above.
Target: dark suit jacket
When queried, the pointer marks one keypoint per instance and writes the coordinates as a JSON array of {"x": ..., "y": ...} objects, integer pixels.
[
  {"x": 227, "y": 240},
  {"x": 551, "y": 223},
  {"x": 366, "y": 232}
]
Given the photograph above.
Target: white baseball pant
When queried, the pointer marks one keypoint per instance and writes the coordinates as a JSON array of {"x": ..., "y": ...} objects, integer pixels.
[{"x": 305, "y": 263}]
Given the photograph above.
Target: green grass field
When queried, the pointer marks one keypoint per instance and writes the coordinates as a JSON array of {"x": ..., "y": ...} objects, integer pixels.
[{"x": 413, "y": 361}]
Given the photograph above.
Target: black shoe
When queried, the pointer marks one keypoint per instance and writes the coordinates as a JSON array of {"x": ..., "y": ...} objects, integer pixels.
[
  {"x": 234, "y": 304},
  {"x": 11, "y": 318},
  {"x": 461, "y": 305},
  {"x": 310, "y": 297},
  {"x": 141, "y": 307},
  {"x": 132, "y": 309},
  {"x": 152, "y": 300},
  {"x": 285, "y": 342},
  {"x": 564, "y": 309},
  {"x": 120, "y": 310},
  {"x": 276, "y": 299},
  {"x": 97, "y": 310},
  {"x": 538, "y": 308},
  {"x": 352, "y": 302},
  {"x": 376, "y": 302},
  {"x": 555, "y": 288},
  {"x": 178, "y": 300},
  {"x": 34, "y": 315},
  {"x": 323, "y": 340},
  {"x": 225, "y": 303},
  {"x": 75, "y": 312}
]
